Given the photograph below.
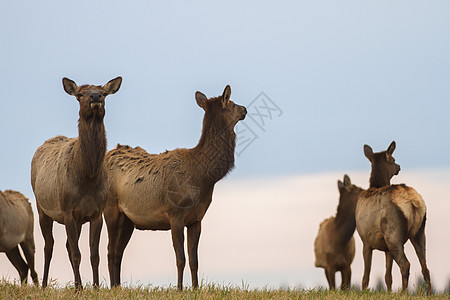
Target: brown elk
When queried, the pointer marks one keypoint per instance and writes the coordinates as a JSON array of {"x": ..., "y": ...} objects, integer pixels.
[
  {"x": 171, "y": 190},
  {"x": 334, "y": 246},
  {"x": 16, "y": 228},
  {"x": 69, "y": 180},
  {"x": 387, "y": 216}
]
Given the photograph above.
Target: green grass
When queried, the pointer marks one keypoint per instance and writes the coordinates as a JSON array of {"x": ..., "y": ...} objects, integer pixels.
[{"x": 209, "y": 291}]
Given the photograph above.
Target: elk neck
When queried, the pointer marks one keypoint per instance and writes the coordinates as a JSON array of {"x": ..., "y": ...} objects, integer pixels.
[
  {"x": 345, "y": 219},
  {"x": 214, "y": 153},
  {"x": 90, "y": 148}
]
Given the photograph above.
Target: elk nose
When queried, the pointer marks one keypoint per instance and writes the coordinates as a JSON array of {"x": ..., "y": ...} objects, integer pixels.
[{"x": 95, "y": 97}]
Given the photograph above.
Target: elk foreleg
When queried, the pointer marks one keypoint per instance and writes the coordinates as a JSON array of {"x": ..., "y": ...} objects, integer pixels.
[
  {"x": 46, "y": 224},
  {"x": 331, "y": 278},
  {"x": 178, "y": 245},
  {"x": 94, "y": 241},
  {"x": 367, "y": 254},
  {"x": 72, "y": 231},
  {"x": 193, "y": 237}
]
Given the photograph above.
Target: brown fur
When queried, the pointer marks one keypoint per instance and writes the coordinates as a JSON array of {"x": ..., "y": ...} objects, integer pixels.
[
  {"x": 387, "y": 216},
  {"x": 69, "y": 180},
  {"x": 334, "y": 246},
  {"x": 16, "y": 228},
  {"x": 171, "y": 190}
]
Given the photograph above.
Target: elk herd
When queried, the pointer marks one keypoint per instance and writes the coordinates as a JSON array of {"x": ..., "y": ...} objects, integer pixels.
[{"x": 75, "y": 180}]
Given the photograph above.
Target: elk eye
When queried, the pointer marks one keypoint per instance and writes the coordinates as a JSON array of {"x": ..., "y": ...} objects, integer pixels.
[
  {"x": 105, "y": 94},
  {"x": 80, "y": 95}
]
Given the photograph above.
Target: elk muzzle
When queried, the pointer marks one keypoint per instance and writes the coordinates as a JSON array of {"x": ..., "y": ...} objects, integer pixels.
[{"x": 243, "y": 111}]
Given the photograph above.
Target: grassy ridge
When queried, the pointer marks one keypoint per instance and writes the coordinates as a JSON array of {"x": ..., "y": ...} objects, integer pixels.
[{"x": 210, "y": 291}]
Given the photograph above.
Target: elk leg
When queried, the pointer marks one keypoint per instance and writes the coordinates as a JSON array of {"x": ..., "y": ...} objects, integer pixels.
[
  {"x": 120, "y": 229},
  {"x": 29, "y": 249},
  {"x": 125, "y": 235},
  {"x": 178, "y": 245},
  {"x": 398, "y": 253},
  {"x": 367, "y": 254},
  {"x": 73, "y": 233},
  {"x": 21, "y": 266},
  {"x": 419, "y": 243},
  {"x": 69, "y": 251},
  {"x": 193, "y": 237},
  {"x": 94, "y": 241},
  {"x": 46, "y": 224},
  {"x": 346, "y": 274},
  {"x": 111, "y": 214},
  {"x": 331, "y": 278},
  {"x": 388, "y": 275}
]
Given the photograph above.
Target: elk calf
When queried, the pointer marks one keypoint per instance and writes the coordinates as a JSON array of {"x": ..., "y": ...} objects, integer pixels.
[
  {"x": 69, "y": 180},
  {"x": 171, "y": 190},
  {"x": 387, "y": 216},
  {"x": 16, "y": 228},
  {"x": 334, "y": 246}
]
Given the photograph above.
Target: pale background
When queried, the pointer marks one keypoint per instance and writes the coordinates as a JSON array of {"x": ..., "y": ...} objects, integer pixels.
[{"x": 343, "y": 74}]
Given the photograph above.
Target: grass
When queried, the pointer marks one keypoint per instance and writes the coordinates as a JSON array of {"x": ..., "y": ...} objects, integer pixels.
[{"x": 208, "y": 291}]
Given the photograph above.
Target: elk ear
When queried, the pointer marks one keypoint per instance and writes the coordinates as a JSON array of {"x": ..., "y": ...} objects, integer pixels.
[
  {"x": 347, "y": 181},
  {"x": 70, "y": 86},
  {"x": 226, "y": 96},
  {"x": 201, "y": 99},
  {"x": 112, "y": 86},
  {"x": 368, "y": 152},
  {"x": 391, "y": 148},
  {"x": 340, "y": 185}
]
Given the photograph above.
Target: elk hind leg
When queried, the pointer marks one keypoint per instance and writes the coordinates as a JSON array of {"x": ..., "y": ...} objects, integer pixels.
[
  {"x": 398, "y": 253},
  {"x": 120, "y": 228},
  {"x": 21, "y": 266},
  {"x": 388, "y": 275},
  {"x": 419, "y": 243},
  {"x": 331, "y": 278},
  {"x": 29, "y": 250},
  {"x": 346, "y": 274}
]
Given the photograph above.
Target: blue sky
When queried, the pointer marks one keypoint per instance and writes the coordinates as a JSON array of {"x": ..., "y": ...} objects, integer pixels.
[{"x": 344, "y": 73}]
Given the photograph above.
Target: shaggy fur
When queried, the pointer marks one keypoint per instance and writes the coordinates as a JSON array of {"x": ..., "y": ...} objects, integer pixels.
[
  {"x": 334, "y": 246},
  {"x": 16, "y": 228},
  {"x": 387, "y": 216},
  {"x": 69, "y": 180},
  {"x": 171, "y": 190}
]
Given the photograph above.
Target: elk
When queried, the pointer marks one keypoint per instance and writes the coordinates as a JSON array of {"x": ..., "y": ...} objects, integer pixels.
[
  {"x": 16, "y": 228},
  {"x": 387, "y": 216},
  {"x": 334, "y": 246},
  {"x": 171, "y": 190},
  {"x": 69, "y": 179}
]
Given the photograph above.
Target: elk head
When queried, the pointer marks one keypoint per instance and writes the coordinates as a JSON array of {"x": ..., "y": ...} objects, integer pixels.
[
  {"x": 222, "y": 107},
  {"x": 383, "y": 165},
  {"x": 91, "y": 97}
]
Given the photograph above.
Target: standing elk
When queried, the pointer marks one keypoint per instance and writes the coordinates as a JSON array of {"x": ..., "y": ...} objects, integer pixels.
[
  {"x": 334, "y": 246},
  {"x": 16, "y": 228},
  {"x": 387, "y": 216},
  {"x": 69, "y": 179},
  {"x": 171, "y": 190}
]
